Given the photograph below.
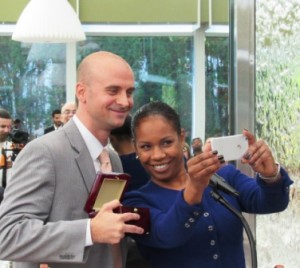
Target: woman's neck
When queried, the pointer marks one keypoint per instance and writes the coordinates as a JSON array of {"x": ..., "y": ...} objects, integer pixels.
[{"x": 175, "y": 184}]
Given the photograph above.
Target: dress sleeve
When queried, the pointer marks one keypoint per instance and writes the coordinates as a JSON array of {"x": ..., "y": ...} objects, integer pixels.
[
  {"x": 167, "y": 217},
  {"x": 257, "y": 196}
]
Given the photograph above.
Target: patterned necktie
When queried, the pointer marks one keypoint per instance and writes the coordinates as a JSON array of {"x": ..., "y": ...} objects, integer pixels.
[
  {"x": 105, "y": 161},
  {"x": 105, "y": 168}
]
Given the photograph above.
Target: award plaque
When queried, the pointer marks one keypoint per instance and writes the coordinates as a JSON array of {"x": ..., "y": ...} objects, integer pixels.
[
  {"x": 106, "y": 187},
  {"x": 111, "y": 186}
]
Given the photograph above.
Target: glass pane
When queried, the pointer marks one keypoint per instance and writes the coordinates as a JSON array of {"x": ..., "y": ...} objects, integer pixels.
[
  {"x": 278, "y": 122},
  {"x": 32, "y": 82},
  {"x": 162, "y": 67},
  {"x": 217, "y": 81}
]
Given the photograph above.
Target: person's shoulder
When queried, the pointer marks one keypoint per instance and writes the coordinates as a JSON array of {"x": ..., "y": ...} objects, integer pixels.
[
  {"x": 48, "y": 129},
  {"x": 143, "y": 192},
  {"x": 147, "y": 189},
  {"x": 151, "y": 195},
  {"x": 130, "y": 156},
  {"x": 50, "y": 139}
]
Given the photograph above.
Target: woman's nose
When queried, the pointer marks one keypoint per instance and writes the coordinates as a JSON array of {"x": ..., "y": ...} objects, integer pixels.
[{"x": 157, "y": 153}]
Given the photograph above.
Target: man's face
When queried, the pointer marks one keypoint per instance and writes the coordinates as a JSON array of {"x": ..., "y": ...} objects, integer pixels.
[
  {"x": 5, "y": 127},
  {"x": 67, "y": 112},
  {"x": 57, "y": 120},
  {"x": 197, "y": 146},
  {"x": 108, "y": 98}
]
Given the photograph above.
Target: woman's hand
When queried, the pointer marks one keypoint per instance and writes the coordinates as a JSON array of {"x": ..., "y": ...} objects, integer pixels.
[
  {"x": 259, "y": 156},
  {"x": 200, "y": 169},
  {"x": 202, "y": 166}
]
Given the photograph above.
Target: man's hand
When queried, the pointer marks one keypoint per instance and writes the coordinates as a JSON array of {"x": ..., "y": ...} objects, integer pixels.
[{"x": 109, "y": 227}]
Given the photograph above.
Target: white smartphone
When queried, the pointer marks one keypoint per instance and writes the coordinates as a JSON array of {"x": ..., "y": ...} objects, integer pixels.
[{"x": 231, "y": 147}]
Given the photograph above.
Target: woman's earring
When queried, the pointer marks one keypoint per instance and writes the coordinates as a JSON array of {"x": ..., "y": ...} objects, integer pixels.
[{"x": 136, "y": 157}]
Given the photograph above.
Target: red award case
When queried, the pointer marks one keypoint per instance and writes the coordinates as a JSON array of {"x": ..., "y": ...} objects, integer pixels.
[{"x": 111, "y": 186}]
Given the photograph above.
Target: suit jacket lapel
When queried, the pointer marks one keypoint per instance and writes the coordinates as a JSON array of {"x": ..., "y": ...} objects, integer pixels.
[
  {"x": 115, "y": 161},
  {"x": 83, "y": 159}
]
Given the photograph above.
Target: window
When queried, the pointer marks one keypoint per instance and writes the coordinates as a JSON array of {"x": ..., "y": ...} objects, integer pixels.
[
  {"x": 217, "y": 89},
  {"x": 32, "y": 82},
  {"x": 163, "y": 68},
  {"x": 33, "y": 77}
]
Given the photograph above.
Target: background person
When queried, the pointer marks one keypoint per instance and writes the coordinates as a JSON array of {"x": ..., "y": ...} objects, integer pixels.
[
  {"x": 56, "y": 119},
  {"x": 17, "y": 124},
  {"x": 42, "y": 217},
  {"x": 186, "y": 151},
  {"x": 196, "y": 146},
  {"x": 6, "y": 153},
  {"x": 6, "y": 147},
  {"x": 67, "y": 111},
  {"x": 188, "y": 227}
]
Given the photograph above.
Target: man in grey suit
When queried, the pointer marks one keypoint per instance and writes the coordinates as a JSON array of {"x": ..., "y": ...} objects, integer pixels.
[{"x": 42, "y": 217}]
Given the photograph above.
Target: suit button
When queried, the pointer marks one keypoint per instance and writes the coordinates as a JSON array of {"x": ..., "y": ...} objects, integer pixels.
[
  {"x": 196, "y": 213},
  {"x": 215, "y": 256},
  {"x": 187, "y": 225},
  {"x": 191, "y": 220}
]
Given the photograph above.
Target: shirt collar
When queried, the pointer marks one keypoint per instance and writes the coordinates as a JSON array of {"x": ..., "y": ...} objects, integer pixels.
[{"x": 94, "y": 146}]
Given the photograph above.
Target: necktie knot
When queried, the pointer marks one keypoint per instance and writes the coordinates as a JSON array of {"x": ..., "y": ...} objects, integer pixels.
[{"x": 105, "y": 161}]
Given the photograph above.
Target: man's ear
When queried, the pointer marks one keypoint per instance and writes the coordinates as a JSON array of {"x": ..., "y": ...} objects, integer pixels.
[{"x": 81, "y": 92}]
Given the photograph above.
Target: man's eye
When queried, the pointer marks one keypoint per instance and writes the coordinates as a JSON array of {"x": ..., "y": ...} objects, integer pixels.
[
  {"x": 112, "y": 91},
  {"x": 129, "y": 93}
]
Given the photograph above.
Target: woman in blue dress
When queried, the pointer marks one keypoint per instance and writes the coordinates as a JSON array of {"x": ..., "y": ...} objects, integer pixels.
[{"x": 189, "y": 228}]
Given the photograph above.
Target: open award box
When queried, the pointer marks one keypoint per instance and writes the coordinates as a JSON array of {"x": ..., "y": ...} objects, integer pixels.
[{"x": 111, "y": 186}]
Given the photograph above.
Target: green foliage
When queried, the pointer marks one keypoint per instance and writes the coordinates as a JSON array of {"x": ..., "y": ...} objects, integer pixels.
[
  {"x": 21, "y": 90},
  {"x": 277, "y": 79}
]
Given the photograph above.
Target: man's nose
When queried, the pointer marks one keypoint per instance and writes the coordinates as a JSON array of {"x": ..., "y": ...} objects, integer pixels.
[
  {"x": 7, "y": 129},
  {"x": 123, "y": 99}
]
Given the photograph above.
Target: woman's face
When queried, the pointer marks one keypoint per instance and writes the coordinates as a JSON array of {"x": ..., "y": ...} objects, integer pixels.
[{"x": 159, "y": 148}]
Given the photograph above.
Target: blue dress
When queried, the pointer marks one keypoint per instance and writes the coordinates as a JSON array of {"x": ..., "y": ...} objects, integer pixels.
[{"x": 205, "y": 235}]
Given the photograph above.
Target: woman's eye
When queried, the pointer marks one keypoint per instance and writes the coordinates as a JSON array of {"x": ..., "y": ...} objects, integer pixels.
[
  {"x": 145, "y": 147},
  {"x": 167, "y": 142}
]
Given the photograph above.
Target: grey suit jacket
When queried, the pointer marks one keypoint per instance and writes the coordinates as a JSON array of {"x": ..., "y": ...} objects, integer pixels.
[{"x": 42, "y": 217}]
